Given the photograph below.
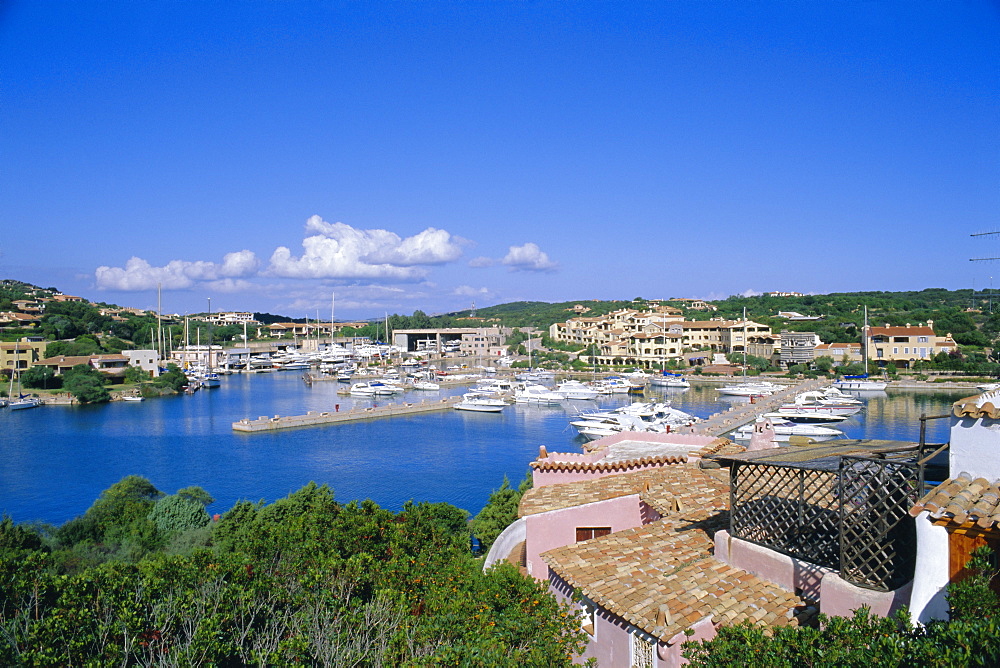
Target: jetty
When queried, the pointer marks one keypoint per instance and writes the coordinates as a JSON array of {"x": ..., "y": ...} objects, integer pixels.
[
  {"x": 318, "y": 419},
  {"x": 741, "y": 414}
]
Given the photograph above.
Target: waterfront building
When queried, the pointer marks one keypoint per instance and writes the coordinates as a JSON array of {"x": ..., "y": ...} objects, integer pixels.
[
  {"x": 21, "y": 354},
  {"x": 466, "y": 341},
  {"x": 147, "y": 360},
  {"x": 904, "y": 346},
  {"x": 798, "y": 348},
  {"x": 650, "y": 338}
]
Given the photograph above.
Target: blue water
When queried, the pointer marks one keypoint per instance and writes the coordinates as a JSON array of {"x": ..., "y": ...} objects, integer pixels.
[{"x": 57, "y": 459}]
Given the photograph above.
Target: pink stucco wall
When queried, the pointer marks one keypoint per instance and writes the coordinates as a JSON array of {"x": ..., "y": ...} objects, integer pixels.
[
  {"x": 547, "y": 531},
  {"x": 841, "y": 598},
  {"x": 669, "y": 653},
  {"x": 786, "y": 572}
]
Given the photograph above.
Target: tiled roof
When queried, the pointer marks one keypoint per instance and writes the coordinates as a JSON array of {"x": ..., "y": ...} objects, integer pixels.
[
  {"x": 667, "y": 489},
  {"x": 922, "y": 330},
  {"x": 662, "y": 578},
  {"x": 567, "y": 495},
  {"x": 985, "y": 405},
  {"x": 608, "y": 467},
  {"x": 961, "y": 500},
  {"x": 721, "y": 446}
]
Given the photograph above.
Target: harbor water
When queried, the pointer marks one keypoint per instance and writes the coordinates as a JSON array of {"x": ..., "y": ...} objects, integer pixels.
[{"x": 58, "y": 459}]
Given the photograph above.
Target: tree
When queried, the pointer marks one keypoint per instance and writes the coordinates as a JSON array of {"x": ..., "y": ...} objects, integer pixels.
[
  {"x": 134, "y": 374},
  {"x": 173, "y": 378},
  {"x": 86, "y": 384},
  {"x": 175, "y": 514},
  {"x": 40, "y": 377},
  {"x": 499, "y": 512}
]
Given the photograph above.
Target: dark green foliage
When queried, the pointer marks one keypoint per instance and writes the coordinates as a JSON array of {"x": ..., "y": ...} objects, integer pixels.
[
  {"x": 499, "y": 512},
  {"x": 971, "y": 598},
  {"x": 304, "y": 580},
  {"x": 172, "y": 378},
  {"x": 16, "y": 539},
  {"x": 134, "y": 374},
  {"x": 41, "y": 378},
  {"x": 86, "y": 384},
  {"x": 176, "y": 514},
  {"x": 865, "y": 640}
]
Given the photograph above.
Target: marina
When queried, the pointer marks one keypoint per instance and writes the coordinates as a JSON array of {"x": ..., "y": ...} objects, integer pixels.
[{"x": 58, "y": 459}]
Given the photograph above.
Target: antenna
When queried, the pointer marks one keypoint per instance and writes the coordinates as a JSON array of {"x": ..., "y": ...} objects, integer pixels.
[{"x": 473, "y": 313}]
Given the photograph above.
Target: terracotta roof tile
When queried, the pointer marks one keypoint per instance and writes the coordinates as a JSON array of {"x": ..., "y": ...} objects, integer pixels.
[
  {"x": 662, "y": 578},
  {"x": 963, "y": 499},
  {"x": 985, "y": 405}
]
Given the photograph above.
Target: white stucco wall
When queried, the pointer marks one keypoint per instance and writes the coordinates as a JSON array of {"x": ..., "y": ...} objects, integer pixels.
[
  {"x": 930, "y": 577},
  {"x": 975, "y": 447},
  {"x": 506, "y": 542}
]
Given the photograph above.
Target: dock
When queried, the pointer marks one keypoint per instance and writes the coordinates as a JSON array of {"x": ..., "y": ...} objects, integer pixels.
[
  {"x": 318, "y": 419},
  {"x": 739, "y": 415}
]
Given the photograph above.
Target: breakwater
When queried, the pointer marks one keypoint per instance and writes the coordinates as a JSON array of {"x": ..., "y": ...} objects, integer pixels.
[{"x": 321, "y": 418}]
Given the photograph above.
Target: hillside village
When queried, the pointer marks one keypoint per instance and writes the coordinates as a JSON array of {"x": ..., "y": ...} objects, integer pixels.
[{"x": 648, "y": 334}]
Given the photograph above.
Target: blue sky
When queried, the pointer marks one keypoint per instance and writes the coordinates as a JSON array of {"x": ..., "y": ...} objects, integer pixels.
[{"x": 427, "y": 155}]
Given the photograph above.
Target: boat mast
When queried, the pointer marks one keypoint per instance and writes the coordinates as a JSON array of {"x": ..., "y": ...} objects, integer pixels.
[
  {"x": 208, "y": 365},
  {"x": 864, "y": 343},
  {"x": 159, "y": 325},
  {"x": 744, "y": 344}
]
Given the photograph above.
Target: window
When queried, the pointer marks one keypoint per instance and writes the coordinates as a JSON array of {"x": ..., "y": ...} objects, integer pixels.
[
  {"x": 641, "y": 649},
  {"x": 589, "y": 619},
  {"x": 921, "y": 339},
  {"x": 586, "y": 533},
  {"x": 895, "y": 351}
]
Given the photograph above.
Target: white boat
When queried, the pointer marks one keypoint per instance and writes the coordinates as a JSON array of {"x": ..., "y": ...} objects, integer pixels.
[
  {"x": 612, "y": 385},
  {"x": 574, "y": 389},
  {"x": 751, "y": 389},
  {"x": 371, "y": 389},
  {"x": 860, "y": 384},
  {"x": 538, "y": 394},
  {"x": 988, "y": 387},
  {"x": 817, "y": 402},
  {"x": 23, "y": 401},
  {"x": 784, "y": 430},
  {"x": 811, "y": 417},
  {"x": 425, "y": 385},
  {"x": 132, "y": 397},
  {"x": 669, "y": 380},
  {"x": 479, "y": 404}
]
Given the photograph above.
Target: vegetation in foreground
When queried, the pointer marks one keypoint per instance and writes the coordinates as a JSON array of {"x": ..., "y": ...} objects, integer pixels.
[
  {"x": 970, "y": 638},
  {"x": 145, "y": 578}
]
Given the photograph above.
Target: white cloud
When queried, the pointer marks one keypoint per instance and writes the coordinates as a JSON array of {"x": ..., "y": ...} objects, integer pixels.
[
  {"x": 138, "y": 274},
  {"x": 482, "y": 262},
  {"x": 239, "y": 264},
  {"x": 336, "y": 250},
  {"x": 528, "y": 257},
  {"x": 469, "y": 291},
  {"x": 750, "y": 292}
]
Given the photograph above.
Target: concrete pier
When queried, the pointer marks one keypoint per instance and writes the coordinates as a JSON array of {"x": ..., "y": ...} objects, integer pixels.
[
  {"x": 741, "y": 414},
  {"x": 316, "y": 419}
]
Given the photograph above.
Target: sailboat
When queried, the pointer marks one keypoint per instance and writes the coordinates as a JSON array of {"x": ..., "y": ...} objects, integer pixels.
[
  {"x": 861, "y": 382},
  {"x": 23, "y": 400}
]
